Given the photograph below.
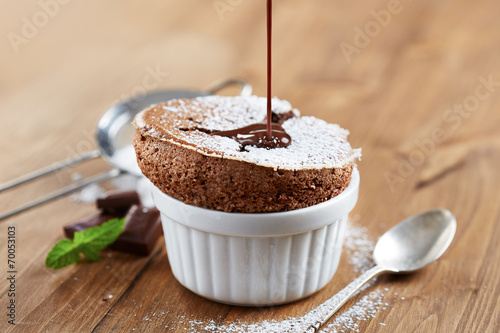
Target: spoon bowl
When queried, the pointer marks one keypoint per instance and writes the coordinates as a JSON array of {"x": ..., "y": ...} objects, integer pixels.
[{"x": 415, "y": 242}]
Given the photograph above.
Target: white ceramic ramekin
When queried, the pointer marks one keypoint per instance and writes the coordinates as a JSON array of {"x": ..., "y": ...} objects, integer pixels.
[{"x": 255, "y": 259}]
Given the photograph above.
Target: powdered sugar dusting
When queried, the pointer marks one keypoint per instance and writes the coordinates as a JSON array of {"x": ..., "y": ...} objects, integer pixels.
[{"x": 315, "y": 143}]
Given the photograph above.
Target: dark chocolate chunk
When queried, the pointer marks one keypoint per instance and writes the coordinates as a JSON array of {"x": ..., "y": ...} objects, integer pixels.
[
  {"x": 141, "y": 231},
  {"x": 118, "y": 202},
  {"x": 85, "y": 223},
  {"x": 142, "y": 225}
]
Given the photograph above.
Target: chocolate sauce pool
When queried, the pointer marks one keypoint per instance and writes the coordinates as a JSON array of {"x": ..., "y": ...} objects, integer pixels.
[
  {"x": 259, "y": 134},
  {"x": 256, "y": 135}
]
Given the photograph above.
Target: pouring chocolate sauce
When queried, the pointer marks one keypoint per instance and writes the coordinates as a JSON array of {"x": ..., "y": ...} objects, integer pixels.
[{"x": 263, "y": 135}]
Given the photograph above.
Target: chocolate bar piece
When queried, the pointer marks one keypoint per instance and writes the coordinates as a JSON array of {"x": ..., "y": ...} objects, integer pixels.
[
  {"x": 85, "y": 223},
  {"x": 142, "y": 225},
  {"x": 118, "y": 202},
  {"x": 141, "y": 231}
]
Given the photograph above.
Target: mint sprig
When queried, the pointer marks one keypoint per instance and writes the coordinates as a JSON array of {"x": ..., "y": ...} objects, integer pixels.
[
  {"x": 89, "y": 242},
  {"x": 64, "y": 253}
]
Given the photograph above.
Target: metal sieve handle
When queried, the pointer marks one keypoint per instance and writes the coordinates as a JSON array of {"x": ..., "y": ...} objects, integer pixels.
[
  {"x": 246, "y": 88},
  {"x": 66, "y": 190}
]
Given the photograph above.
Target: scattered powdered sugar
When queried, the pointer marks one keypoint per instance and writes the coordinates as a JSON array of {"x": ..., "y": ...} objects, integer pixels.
[
  {"x": 364, "y": 309},
  {"x": 358, "y": 248},
  {"x": 88, "y": 194},
  {"x": 131, "y": 179},
  {"x": 316, "y": 144},
  {"x": 346, "y": 320},
  {"x": 125, "y": 159},
  {"x": 123, "y": 182},
  {"x": 140, "y": 184}
]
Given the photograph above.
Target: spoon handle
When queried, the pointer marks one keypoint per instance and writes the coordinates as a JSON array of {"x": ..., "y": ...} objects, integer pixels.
[{"x": 325, "y": 312}]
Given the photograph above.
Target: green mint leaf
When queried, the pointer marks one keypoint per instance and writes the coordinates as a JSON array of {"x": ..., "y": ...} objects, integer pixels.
[
  {"x": 93, "y": 240},
  {"x": 63, "y": 254},
  {"x": 89, "y": 242},
  {"x": 89, "y": 252}
]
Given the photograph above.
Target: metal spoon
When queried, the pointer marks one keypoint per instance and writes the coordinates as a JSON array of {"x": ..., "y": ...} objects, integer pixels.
[
  {"x": 114, "y": 138},
  {"x": 410, "y": 245}
]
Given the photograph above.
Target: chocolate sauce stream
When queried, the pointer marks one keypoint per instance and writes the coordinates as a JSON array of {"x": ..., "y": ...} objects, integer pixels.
[
  {"x": 269, "y": 64},
  {"x": 259, "y": 134}
]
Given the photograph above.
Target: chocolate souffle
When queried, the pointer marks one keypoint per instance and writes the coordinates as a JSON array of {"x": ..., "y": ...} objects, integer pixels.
[{"x": 178, "y": 149}]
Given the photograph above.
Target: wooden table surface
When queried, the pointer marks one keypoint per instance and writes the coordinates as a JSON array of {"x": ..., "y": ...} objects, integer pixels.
[{"x": 416, "y": 82}]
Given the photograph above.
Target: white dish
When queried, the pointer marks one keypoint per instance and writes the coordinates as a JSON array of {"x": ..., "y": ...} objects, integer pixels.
[{"x": 255, "y": 259}]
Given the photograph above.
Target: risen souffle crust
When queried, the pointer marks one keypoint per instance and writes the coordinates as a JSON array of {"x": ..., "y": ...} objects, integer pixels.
[{"x": 175, "y": 151}]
